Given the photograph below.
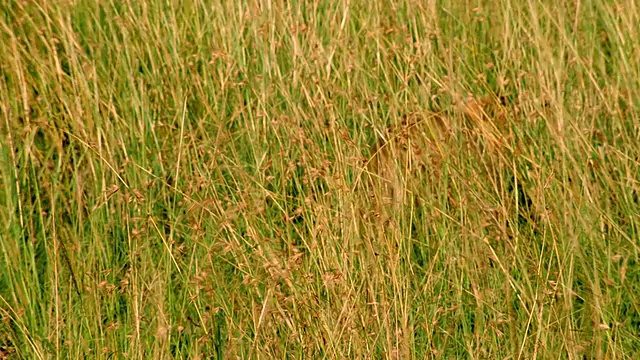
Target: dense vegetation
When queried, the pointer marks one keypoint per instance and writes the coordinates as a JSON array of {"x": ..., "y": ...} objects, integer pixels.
[{"x": 188, "y": 179}]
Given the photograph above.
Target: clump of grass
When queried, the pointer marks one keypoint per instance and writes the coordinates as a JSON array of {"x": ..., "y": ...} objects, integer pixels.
[{"x": 190, "y": 180}]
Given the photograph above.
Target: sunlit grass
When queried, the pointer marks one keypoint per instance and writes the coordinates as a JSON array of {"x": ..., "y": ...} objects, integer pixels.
[{"x": 193, "y": 180}]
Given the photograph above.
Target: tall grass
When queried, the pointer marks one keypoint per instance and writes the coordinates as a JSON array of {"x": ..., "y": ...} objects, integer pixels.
[{"x": 187, "y": 179}]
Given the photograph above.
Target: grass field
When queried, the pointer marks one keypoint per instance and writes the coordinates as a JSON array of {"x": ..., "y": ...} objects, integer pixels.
[{"x": 191, "y": 179}]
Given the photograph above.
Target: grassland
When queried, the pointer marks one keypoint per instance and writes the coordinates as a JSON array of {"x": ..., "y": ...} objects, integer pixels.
[{"x": 188, "y": 179}]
